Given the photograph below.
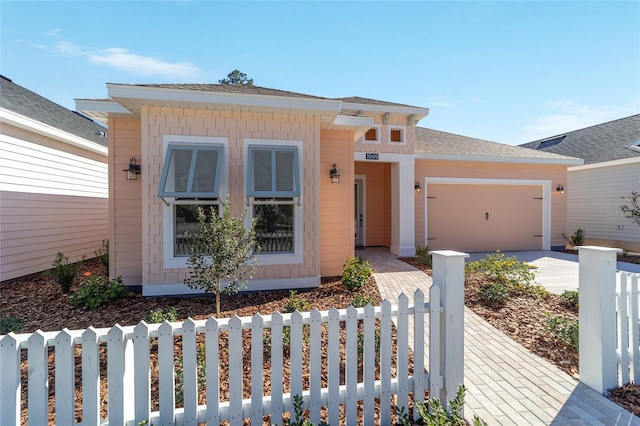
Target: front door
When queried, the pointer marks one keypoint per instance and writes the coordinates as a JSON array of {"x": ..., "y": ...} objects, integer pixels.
[{"x": 359, "y": 212}]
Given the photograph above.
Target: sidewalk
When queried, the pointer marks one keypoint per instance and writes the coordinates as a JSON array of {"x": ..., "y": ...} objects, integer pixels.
[{"x": 506, "y": 384}]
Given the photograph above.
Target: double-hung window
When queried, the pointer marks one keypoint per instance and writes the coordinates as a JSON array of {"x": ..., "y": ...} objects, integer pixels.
[
  {"x": 190, "y": 180},
  {"x": 273, "y": 187}
]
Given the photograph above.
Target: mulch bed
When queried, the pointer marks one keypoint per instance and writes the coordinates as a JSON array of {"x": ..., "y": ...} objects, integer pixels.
[{"x": 622, "y": 257}]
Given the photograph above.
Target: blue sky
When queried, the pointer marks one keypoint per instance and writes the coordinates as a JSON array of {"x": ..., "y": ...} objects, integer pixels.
[{"x": 510, "y": 72}]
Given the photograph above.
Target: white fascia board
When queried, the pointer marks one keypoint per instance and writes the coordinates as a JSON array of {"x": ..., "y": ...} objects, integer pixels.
[
  {"x": 105, "y": 106},
  {"x": 611, "y": 163},
  {"x": 197, "y": 96},
  {"x": 352, "y": 121},
  {"x": 420, "y": 113},
  {"x": 26, "y": 123},
  {"x": 490, "y": 159}
]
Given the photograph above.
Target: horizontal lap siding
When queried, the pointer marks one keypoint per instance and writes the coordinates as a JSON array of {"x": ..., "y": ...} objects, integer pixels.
[
  {"x": 53, "y": 198},
  {"x": 594, "y": 204}
]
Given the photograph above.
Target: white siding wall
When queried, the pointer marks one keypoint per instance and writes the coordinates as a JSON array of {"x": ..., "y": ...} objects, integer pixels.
[
  {"x": 593, "y": 194},
  {"x": 53, "y": 197}
]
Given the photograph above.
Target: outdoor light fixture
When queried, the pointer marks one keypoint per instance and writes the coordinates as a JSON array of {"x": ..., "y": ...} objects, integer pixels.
[
  {"x": 560, "y": 188},
  {"x": 134, "y": 169},
  {"x": 334, "y": 175},
  {"x": 417, "y": 187}
]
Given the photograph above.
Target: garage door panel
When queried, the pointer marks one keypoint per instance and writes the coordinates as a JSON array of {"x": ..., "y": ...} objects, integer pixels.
[{"x": 470, "y": 217}]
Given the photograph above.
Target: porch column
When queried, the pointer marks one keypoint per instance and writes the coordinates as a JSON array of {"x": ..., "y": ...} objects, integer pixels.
[{"x": 403, "y": 241}]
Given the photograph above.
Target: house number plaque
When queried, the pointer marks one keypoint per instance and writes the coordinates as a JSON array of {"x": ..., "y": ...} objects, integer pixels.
[{"x": 371, "y": 156}]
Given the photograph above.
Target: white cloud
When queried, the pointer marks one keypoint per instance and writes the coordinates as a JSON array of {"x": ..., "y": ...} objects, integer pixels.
[
  {"x": 125, "y": 60},
  {"x": 566, "y": 115},
  {"x": 54, "y": 32},
  {"x": 474, "y": 99},
  {"x": 441, "y": 101}
]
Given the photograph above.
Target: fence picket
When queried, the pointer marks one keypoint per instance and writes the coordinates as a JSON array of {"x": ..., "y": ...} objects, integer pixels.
[
  {"x": 257, "y": 349},
  {"x": 166, "y": 374},
  {"x": 65, "y": 378},
  {"x": 351, "y": 370},
  {"x": 212, "y": 362},
  {"x": 276, "y": 368},
  {"x": 190, "y": 372},
  {"x": 403, "y": 351},
  {"x": 315, "y": 366},
  {"x": 296, "y": 343},
  {"x": 235, "y": 371},
  {"x": 623, "y": 329},
  {"x": 333, "y": 366},
  {"x": 38, "y": 389},
  {"x": 142, "y": 371},
  {"x": 90, "y": 377},
  {"x": 435, "y": 344},
  {"x": 10, "y": 380},
  {"x": 385, "y": 363},
  {"x": 419, "y": 384},
  {"x": 369, "y": 364},
  {"x": 635, "y": 333}
]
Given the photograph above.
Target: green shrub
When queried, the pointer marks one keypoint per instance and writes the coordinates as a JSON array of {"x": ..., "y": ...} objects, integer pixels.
[
  {"x": 296, "y": 303},
  {"x": 97, "y": 291},
  {"x": 298, "y": 414},
  {"x": 509, "y": 271},
  {"x": 355, "y": 273},
  {"x": 577, "y": 239},
  {"x": 10, "y": 325},
  {"x": 422, "y": 253},
  {"x": 161, "y": 315},
  {"x": 565, "y": 329},
  {"x": 376, "y": 344},
  {"x": 64, "y": 272},
  {"x": 102, "y": 254},
  {"x": 495, "y": 294},
  {"x": 201, "y": 373},
  {"x": 571, "y": 298},
  {"x": 360, "y": 301},
  {"x": 435, "y": 414}
]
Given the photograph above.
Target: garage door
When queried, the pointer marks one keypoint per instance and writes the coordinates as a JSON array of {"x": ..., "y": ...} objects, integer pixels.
[{"x": 478, "y": 217}]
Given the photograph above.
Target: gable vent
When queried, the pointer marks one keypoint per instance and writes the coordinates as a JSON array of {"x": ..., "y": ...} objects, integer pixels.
[{"x": 550, "y": 142}]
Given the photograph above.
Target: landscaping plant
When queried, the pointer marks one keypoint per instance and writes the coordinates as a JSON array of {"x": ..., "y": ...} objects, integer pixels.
[
  {"x": 223, "y": 249},
  {"x": 161, "y": 315},
  {"x": 360, "y": 301},
  {"x": 577, "y": 239},
  {"x": 494, "y": 294},
  {"x": 423, "y": 254},
  {"x": 435, "y": 414},
  {"x": 64, "y": 272},
  {"x": 96, "y": 291},
  {"x": 10, "y": 325},
  {"x": 631, "y": 208},
  {"x": 571, "y": 298},
  {"x": 567, "y": 330},
  {"x": 102, "y": 254},
  {"x": 355, "y": 273}
]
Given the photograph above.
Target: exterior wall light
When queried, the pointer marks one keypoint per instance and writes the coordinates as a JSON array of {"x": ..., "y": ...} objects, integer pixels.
[
  {"x": 560, "y": 189},
  {"x": 134, "y": 169},
  {"x": 417, "y": 187},
  {"x": 334, "y": 175}
]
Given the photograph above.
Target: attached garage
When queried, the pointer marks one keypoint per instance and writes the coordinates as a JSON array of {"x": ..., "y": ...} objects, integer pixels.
[{"x": 475, "y": 217}]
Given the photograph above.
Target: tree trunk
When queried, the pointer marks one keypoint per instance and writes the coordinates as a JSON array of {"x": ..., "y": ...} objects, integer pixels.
[{"x": 218, "y": 299}]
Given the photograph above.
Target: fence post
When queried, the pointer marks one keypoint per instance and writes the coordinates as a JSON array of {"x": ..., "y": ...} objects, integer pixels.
[
  {"x": 597, "y": 334},
  {"x": 448, "y": 276}
]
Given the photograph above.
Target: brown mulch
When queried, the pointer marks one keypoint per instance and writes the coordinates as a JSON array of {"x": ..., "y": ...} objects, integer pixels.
[
  {"x": 622, "y": 257},
  {"x": 41, "y": 305},
  {"x": 523, "y": 320}
]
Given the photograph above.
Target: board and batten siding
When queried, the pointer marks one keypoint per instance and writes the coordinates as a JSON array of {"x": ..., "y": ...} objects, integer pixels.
[
  {"x": 53, "y": 198},
  {"x": 594, "y": 202}
]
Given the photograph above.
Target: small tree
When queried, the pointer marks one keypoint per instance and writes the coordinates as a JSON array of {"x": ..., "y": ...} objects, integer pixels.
[
  {"x": 223, "y": 250},
  {"x": 631, "y": 208},
  {"x": 236, "y": 77}
]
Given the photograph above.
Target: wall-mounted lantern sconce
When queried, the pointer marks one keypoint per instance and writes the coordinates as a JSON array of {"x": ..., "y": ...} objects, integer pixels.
[
  {"x": 134, "y": 169},
  {"x": 560, "y": 189},
  {"x": 417, "y": 187},
  {"x": 334, "y": 175}
]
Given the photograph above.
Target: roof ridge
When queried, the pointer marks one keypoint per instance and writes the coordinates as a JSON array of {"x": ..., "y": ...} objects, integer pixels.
[{"x": 582, "y": 128}]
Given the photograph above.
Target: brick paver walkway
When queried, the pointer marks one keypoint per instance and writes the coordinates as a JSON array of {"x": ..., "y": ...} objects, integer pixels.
[{"x": 506, "y": 383}]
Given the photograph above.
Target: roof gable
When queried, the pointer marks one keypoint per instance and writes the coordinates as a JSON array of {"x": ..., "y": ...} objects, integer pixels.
[{"x": 613, "y": 140}]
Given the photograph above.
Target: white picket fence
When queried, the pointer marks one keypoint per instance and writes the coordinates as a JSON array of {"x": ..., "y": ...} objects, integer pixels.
[
  {"x": 330, "y": 383},
  {"x": 609, "y": 321}
]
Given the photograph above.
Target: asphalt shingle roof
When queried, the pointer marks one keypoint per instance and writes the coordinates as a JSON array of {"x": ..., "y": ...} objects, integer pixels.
[
  {"x": 609, "y": 141},
  {"x": 436, "y": 142},
  {"x": 29, "y": 104}
]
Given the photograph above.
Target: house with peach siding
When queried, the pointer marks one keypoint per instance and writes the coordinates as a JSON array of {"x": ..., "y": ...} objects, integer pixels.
[
  {"x": 53, "y": 182},
  {"x": 320, "y": 175}
]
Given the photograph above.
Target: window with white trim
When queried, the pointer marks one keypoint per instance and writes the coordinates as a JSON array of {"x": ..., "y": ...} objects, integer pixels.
[
  {"x": 397, "y": 135},
  {"x": 190, "y": 180},
  {"x": 372, "y": 135},
  {"x": 273, "y": 188}
]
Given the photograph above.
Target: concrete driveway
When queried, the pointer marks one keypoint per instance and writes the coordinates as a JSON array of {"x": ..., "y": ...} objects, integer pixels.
[{"x": 555, "y": 271}]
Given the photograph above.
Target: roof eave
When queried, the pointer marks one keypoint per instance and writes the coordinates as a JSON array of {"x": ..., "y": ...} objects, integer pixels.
[
  {"x": 419, "y": 113},
  {"x": 498, "y": 159}
]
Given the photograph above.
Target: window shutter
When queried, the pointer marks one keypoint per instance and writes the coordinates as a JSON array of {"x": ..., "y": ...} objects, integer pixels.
[
  {"x": 273, "y": 172},
  {"x": 191, "y": 172}
]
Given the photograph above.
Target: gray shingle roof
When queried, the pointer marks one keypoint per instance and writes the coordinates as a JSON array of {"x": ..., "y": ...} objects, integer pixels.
[
  {"x": 229, "y": 88},
  {"x": 436, "y": 142},
  {"x": 368, "y": 101},
  {"x": 609, "y": 141},
  {"x": 29, "y": 104}
]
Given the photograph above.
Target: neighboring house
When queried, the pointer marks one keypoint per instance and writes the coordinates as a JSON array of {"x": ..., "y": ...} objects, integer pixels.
[
  {"x": 273, "y": 152},
  {"x": 611, "y": 153},
  {"x": 53, "y": 182}
]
